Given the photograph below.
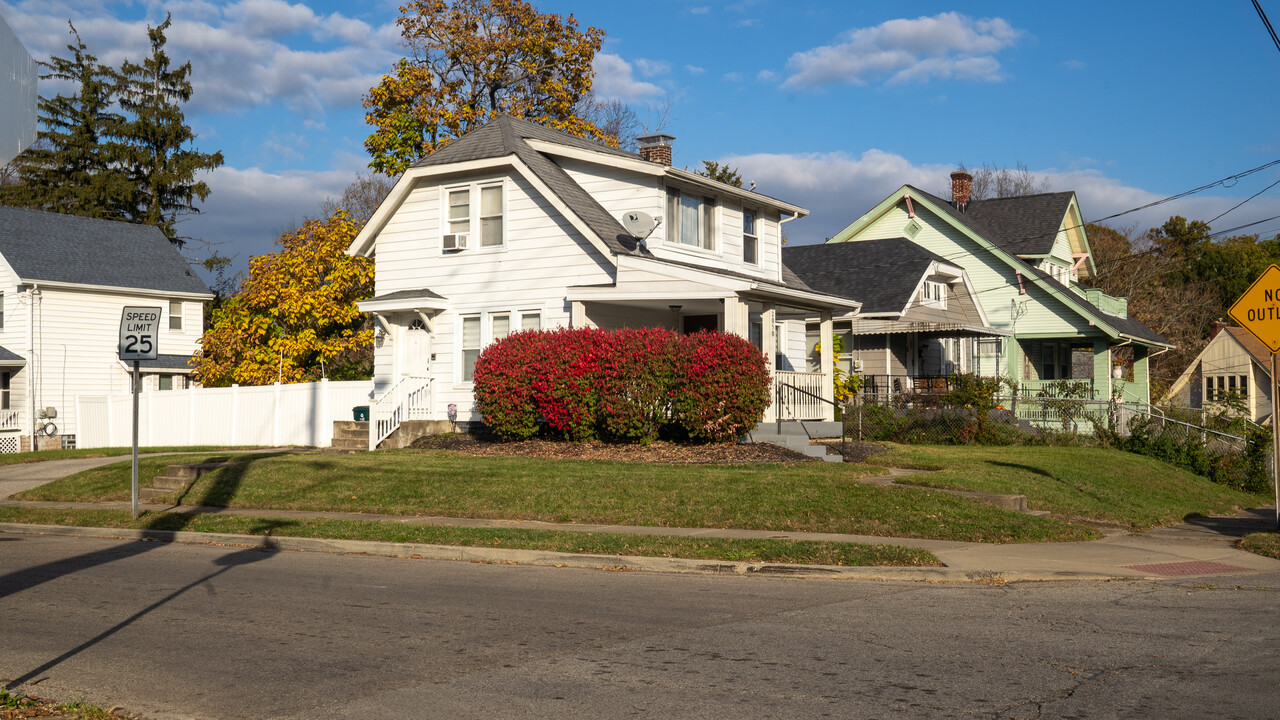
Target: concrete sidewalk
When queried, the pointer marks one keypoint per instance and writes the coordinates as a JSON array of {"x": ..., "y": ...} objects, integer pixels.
[{"x": 1204, "y": 547}]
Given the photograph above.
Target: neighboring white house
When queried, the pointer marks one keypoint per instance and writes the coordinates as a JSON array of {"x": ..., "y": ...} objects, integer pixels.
[
  {"x": 516, "y": 226},
  {"x": 64, "y": 281},
  {"x": 18, "y": 78},
  {"x": 1233, "y": 363}
]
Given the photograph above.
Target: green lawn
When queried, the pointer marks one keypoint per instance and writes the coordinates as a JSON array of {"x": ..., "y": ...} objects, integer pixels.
[
  {"x": 1073, "y": 482},
  {"x": 1263, "y": 543},
  {"x": 813, "y": 497},
  {"x": 775, "y": 551}
]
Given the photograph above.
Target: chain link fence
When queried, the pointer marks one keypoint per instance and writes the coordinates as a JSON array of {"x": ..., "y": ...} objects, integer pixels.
[{"x": 1234, "y": 452}]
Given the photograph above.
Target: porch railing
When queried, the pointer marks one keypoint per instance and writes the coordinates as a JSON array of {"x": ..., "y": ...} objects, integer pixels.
[
  {"x": 798, "y": 395},
  {"x": 900, "y": 384},
  {"x": 10, "y": 420},
  {"x": 409, "y": 399}
]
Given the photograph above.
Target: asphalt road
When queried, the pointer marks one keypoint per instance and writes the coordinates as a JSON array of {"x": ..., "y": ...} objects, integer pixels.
[{"x": 174, "y": 631}]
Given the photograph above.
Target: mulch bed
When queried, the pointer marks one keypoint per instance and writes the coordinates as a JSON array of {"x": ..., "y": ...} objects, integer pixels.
[{"x": 659, "y": 451}]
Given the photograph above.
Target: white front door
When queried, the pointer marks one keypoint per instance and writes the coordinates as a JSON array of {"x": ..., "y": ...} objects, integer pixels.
[{"x": 416, "y": 360}]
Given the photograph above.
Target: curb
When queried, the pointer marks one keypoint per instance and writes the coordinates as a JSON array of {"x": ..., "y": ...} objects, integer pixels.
[{"x": 540, "y": 558}]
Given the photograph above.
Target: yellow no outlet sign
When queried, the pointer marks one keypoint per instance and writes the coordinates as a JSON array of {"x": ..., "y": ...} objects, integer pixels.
[{"x": 1258, "y": 309}]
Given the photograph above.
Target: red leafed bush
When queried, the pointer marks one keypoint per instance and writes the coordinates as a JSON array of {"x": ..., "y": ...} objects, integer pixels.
[
  {"x": 504, "y": 377},
  {"x": 723, "y": 386},
  {"x": 565, "y": 389},
  {"x": 625, "y": 385},
  {"x": 637, "y": 374}
]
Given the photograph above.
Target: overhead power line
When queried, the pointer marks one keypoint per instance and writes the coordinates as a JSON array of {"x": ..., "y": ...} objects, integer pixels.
[{"x": 1262, "y": 14}]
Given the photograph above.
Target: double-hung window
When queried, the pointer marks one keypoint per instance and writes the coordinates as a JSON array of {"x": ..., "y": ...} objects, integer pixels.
[
  {"x": 175, "y": 314},
  {"x": 750, "y": 240},
  {"x": 470, "y": 346},
  {"x": 692, "y": 219},
  {"x": 477, "y": 211}
]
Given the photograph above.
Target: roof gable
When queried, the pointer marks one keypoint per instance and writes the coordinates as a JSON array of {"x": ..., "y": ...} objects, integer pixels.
[
  {"x": 1022, "y": 225},
  {"x": 52, "y": 247},
  {"x": 1251, "y": 345},
  {"x": 881, "y": 274}
]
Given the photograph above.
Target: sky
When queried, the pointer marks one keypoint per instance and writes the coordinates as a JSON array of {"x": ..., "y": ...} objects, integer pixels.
[{"x": 828, "y": 105}]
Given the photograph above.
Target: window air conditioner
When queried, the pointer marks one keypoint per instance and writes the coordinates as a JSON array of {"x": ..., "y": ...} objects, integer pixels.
[{"x": 454, "y": 242}]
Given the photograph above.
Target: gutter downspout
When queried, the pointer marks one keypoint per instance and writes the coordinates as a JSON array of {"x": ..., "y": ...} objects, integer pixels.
[{"x": 31, "y": 362}]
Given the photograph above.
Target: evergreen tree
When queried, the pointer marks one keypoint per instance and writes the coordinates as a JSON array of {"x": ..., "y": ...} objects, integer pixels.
[
  {"x": 161, "y": 164},
  {"x": 74, "y": 166}
]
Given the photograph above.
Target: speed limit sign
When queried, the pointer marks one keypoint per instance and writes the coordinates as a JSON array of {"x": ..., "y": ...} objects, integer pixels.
[{"x": 139, "y": 333}]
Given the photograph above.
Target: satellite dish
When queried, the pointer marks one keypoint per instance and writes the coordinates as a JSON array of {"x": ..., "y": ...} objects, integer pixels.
[{"x": 640, "y": 224}]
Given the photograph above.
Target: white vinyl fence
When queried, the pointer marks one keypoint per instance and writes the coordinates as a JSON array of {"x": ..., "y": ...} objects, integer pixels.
[{"x": 299, "y": 414}]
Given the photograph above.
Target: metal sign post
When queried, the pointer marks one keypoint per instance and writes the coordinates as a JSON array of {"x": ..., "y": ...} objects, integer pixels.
[
  {"x": 139, "y": 329},
  {"x": 1258, "y": 311}
]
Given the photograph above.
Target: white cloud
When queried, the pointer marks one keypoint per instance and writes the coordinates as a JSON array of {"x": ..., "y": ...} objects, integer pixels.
[
  {"x": 948, "y": 45},
  {"x": 248, "y": 208},
  {"x": 615, "y": 79},
  {"x": 694, "y": 69},
  {"x": 246, "y": 54},
  {"x": 837, "y": 188},
  {"x": 766, "y": 76},
  {"x": 1074, "y": 64},
  {"x": 732, "y": 77},
  {"x": 649, "y": 68},
  {"x": 699, "y": 10}
]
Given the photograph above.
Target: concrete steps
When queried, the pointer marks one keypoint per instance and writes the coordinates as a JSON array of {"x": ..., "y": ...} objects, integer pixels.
[
  {"x": 799, "y": 436},
  {"x": 350, "y": 436},
  {"x": 176, "y": 478}
]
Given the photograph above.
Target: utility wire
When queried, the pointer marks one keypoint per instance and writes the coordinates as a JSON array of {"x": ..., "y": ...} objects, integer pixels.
[
  {"x": 1246, "y": 200},
  {"x": 1262, "y": 14}
]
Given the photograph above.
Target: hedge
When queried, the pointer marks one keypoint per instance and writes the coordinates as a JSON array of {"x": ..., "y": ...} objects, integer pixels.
[{"x": 624, "y": 385}]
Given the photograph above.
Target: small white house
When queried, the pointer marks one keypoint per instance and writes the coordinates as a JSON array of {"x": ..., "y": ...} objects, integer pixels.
[
  {"x": 516, "y": 226},
  {"x": 64, "y": 281}
]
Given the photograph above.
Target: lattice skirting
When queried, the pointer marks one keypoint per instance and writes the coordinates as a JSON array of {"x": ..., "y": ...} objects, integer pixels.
[{"x": 10, "y": 443}]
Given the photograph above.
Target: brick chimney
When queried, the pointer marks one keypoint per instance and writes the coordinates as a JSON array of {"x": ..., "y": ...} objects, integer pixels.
[
  {"x": 961, "y": 188},
  {"x": 656, "y": 148},
  {"x": 1215, "y": 328}
]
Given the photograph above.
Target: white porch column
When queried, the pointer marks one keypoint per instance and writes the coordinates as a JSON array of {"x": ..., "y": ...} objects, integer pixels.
[
  {"x": 577, "y": 314},
  {"x": 736, "y": 317},
  {"x": 768, "y": 341},
  {"x": 825, "y": 334}
]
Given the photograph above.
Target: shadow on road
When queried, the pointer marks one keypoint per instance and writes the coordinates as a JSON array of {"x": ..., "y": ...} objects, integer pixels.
[{"x": 224, "y": 487}]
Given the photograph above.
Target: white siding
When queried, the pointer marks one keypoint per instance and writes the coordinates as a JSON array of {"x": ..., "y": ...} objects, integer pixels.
[{"x": 75, "y": 345}]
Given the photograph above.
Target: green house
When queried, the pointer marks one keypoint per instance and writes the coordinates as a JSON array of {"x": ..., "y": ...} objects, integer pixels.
[{"x": 1025, "y": 258}]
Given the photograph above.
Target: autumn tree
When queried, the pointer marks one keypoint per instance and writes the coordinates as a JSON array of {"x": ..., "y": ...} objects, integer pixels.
[
  {"x": 470, "y": 60},
  {"x": 295, "y": 317},
  {"x": 161, "y": 163},
  {"x": 74, "y": 166}
]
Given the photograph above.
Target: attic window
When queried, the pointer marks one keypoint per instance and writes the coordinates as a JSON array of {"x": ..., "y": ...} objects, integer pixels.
[
  {"x": 912, "y": 229},
  {"x": 934, "y": 294}
]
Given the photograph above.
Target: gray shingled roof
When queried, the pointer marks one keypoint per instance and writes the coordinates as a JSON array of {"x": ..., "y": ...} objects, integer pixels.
[
  {"x": 409, "y": 295},
  {"x": 9, "y": 357},
  {"x": 882, "y": 274},
  {"x": 1024, "y": 225},
  {"x": 66, "y": 248},
  {"x": 166, "y": 362},
  {"x": 505, "y": 136}
]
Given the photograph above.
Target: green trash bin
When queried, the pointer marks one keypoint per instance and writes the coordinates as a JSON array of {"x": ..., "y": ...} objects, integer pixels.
[{"x": 361, "y": 413}]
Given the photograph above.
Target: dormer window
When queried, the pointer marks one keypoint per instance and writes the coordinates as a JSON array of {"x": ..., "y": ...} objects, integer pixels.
[
  {"x": 934, "y": 294},
  {"x": 692, "y": 219}
]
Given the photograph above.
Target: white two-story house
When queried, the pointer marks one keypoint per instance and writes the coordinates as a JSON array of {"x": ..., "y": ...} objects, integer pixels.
[
  {"x": 64, "y": 281},
  {"x": 515, "y": 226}
]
